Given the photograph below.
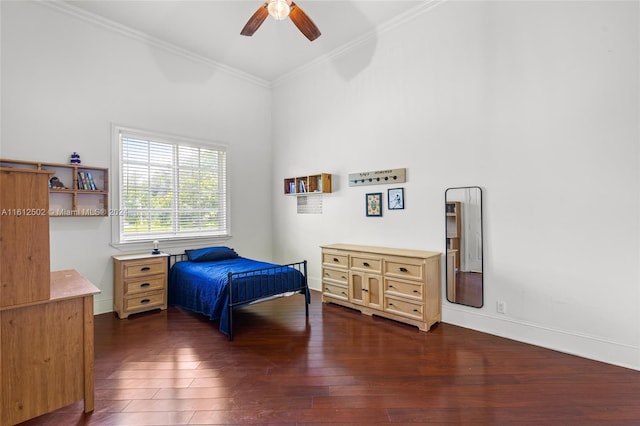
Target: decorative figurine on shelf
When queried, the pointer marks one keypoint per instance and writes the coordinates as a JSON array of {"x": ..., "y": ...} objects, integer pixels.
[
  {"x": 55, "y": 183},
  {"x": 75, "y": 158},
  {"x": 156, "y": 250}
]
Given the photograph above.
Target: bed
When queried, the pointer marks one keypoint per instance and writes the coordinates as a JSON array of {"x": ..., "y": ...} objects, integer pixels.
[{"x": 214, "y": 281}]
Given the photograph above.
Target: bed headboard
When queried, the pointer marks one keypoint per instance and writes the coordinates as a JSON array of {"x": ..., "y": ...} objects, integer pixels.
[{"x": 175, "y": 258}]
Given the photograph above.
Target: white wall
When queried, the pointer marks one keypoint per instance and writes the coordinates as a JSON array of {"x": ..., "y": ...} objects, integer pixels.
[
  {"x": 66, "y": 80},
  {"x": 537, "y": 103}
]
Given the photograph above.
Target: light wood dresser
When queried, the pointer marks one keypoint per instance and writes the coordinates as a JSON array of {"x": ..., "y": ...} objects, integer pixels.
[
  {"x": 140, "y": 283},
  {"x": 399, "y": 284}
]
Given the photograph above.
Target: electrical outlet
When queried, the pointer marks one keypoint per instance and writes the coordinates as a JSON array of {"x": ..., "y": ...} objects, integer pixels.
[{"x": 501, "y": 307}]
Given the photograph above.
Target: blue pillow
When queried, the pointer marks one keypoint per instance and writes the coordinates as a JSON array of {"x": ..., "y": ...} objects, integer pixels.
[{"x": 208, "y": 254}]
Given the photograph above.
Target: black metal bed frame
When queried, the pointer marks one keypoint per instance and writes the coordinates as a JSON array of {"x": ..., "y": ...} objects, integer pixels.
[{"x": 256, "y": 280}]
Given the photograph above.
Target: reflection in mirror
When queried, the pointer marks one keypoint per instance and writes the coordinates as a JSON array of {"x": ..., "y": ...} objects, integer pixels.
[{"x": 464, "y": 266}]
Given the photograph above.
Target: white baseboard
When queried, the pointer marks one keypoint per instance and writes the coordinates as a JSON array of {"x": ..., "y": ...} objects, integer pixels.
[
  {"x": 584, "y": 346},
  {"x": 314, "y": 283},
  {"x": 102, "y": 306}
]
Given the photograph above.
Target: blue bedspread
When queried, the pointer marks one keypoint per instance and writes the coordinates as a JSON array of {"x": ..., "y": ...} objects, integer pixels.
[{"x": 202, "y": 286}]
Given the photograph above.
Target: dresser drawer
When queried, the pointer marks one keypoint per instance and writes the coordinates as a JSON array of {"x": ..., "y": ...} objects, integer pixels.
[
  {"x": 404, "y": 308},
  {"x": 340, "y": 259},
  {"x": 335, "y": 275},
  {"x": 144, "y": 285},
  {"x": 409, "y": 289},
  {"x": 144, "y": 267},
  {"x": 144, "y": 301},
  {"x": 364, "y": 263},
  {"x": 404, "y": 268},
  {"x": 336, "y": 291}
]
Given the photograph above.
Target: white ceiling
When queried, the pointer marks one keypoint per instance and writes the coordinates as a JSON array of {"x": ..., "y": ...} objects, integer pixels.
[{"x": 211, "y": 28}]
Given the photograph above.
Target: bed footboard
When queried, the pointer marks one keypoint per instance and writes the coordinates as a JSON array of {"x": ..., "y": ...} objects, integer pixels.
[{"x": 260, "y": 285}]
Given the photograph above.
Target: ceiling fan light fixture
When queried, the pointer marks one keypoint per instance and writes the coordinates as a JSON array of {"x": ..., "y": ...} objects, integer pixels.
[{"x": 279, "y": 9}]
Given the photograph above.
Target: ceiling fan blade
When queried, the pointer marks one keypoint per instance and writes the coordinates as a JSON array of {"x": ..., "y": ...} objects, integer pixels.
[
  {"x": 303, "y": 22},
  {"x": 255, "y": 21}
]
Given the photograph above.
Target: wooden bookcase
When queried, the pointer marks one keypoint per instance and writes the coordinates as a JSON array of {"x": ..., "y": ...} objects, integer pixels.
[
  {"x": 73, "y": 200},
  {"x": 302, "y": 185},
  {"x": 24, "y": 237},
  {"x": 46, "y": 318}
]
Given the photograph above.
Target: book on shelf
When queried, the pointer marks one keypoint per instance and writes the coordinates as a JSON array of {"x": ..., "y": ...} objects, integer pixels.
[
  {"x": 90, "y": 181},
  {"x": 81, "y": 182},
  {"x": 302, "y": 186}
]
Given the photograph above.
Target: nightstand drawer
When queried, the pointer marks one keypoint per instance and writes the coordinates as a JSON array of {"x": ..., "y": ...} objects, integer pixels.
[
  {"x": 144, "y": 285},
  {"x": 145, "y": 267},
  {"x": 144, "y": 301}
]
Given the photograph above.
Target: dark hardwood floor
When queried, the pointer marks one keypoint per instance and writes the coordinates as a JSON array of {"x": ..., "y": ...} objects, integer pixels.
[
  {"x": 340, "y": 367},
  {"x": 469, "y": 288}
]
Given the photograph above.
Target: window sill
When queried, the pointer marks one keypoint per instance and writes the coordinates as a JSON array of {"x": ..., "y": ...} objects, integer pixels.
[{"x": 177, "y": 244}]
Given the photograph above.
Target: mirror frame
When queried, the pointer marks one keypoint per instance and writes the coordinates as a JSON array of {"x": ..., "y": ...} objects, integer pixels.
[{"x": 446, "y": 249}]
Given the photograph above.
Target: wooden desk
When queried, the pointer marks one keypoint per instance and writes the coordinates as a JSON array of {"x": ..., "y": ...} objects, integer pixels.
[{"x": 46, "y": 351}]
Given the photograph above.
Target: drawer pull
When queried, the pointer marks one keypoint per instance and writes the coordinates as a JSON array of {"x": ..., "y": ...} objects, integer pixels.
[
  {"x": 365, "y": 290},
  {"x": 365, "y": 264},
  {"x": 145, "y": 269},
  {"x": 404, "y": 270},
  {"x": 416, "y": 291},
  {"x": 344, "y": 293},
  {"x": 335, "y": 259},
  {"x": 415, "y": 310},
  {"x": 343, "y": 277},
  {"x": 390, "y": 286},
  {"x": 144, "y": 285},
  {"x": 144, "y": 301}
]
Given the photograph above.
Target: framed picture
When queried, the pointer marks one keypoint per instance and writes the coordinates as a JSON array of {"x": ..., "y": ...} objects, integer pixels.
[
  {"x": 395, "y": 198},
  {"x": 374, "y": 204}
]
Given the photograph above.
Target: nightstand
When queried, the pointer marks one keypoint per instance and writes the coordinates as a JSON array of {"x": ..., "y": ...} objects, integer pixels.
[{"x": 140, "y": 283}]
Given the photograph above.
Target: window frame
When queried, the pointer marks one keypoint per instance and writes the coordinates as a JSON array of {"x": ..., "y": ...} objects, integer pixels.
[{"x": 116, "y": 180}]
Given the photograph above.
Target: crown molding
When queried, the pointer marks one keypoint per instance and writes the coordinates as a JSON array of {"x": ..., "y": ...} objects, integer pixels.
[
  {"x": 407, "y": 16},
  {"x": 391, "y": 24},
  {"x": 63, "y": 6}
]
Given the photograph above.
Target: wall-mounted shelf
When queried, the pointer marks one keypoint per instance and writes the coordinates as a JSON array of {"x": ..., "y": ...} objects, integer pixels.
[
  {"x": 312, "y": 184},
  {"x": 85, "y": 192}
]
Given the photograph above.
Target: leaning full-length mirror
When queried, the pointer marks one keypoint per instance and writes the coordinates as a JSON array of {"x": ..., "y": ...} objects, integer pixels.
[{"x": 464, "y": 266}]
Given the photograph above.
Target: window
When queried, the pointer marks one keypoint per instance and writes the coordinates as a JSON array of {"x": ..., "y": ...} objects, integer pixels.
[{"x": 169, "y": 187}]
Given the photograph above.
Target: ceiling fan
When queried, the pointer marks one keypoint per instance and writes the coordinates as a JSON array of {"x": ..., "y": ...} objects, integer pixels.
[{"x": 280, "y": 9}]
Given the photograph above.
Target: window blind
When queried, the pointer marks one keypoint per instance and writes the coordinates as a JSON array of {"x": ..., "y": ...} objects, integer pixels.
[{"x": 171, "y": 189}]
